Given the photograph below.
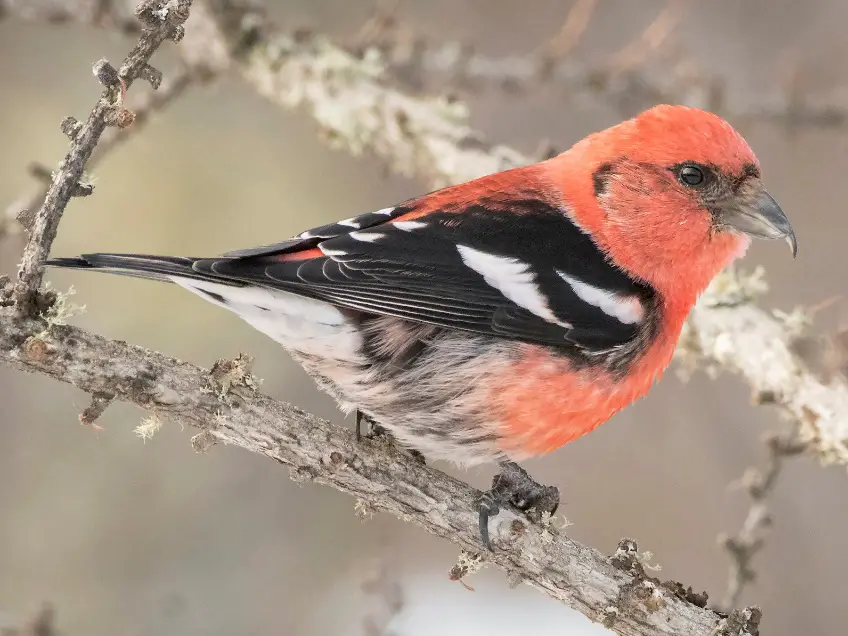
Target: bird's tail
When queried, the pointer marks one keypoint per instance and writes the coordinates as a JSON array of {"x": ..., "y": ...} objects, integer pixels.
[{"x": 161, "y": 268}]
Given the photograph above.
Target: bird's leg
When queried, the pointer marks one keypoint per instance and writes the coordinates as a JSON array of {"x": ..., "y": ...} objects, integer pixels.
[
  {"x": 514, "y": 486},
  {"x": 372, "y": 430}
]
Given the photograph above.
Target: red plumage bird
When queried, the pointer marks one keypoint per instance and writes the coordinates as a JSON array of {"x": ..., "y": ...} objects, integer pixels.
[{"x": 504, "y": 317}]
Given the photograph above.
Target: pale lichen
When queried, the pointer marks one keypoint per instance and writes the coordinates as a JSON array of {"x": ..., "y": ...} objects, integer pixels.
[
  {"x": 148, "y": 427},
  {"x": 552, "y": 525},
  {"x": 797, "y": 321},
  {"x": 59, "y": 311},
  {"x": 645, "y": 559},
  {"x": 734, "y": 287},
  {"x": 363, "y": 509},
  {"x": 229, "y": 378},
  {"x": 466, "y": 564}
]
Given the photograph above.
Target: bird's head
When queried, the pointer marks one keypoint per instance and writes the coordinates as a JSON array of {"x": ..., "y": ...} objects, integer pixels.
[{"x": 673, "y": 195}]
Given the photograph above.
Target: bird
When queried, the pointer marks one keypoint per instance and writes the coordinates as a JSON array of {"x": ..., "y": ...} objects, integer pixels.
[{"x": 501, "y": 318}]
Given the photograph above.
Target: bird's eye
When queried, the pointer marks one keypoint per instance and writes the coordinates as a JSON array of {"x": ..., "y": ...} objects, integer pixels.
[{"x": 691, "y": 175}]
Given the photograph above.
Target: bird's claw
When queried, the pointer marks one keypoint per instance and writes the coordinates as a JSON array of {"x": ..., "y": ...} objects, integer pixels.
[
  {"x": 514, "y": 486},
  {"x": 371, "y": 428}
]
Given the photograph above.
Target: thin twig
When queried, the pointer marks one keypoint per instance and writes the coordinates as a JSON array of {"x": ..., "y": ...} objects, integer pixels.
[
  {"x": 99, "y": 403},
  {"x": 568, "y": 37},
  {"x": 745, "y": 544},
  {"x": 381, "y": 22},
  {"x": 635, "y": 54},
  {"x": 162, "y": 20}
]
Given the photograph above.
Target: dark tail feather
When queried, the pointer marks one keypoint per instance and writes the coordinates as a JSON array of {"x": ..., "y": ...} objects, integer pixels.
[{"x": 159, "y": 268}]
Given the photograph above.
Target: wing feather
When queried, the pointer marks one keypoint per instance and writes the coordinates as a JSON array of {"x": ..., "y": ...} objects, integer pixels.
[{"x": 519, "y": 289}]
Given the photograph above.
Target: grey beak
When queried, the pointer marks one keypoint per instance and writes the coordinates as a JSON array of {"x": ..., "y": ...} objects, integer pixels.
[{"x": 762, "y": 218}]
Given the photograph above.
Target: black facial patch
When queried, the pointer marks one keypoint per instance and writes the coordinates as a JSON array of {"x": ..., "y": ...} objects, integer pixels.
[
  {"x": 601, "y": 177},
  {"x": 749, "y": 171}
]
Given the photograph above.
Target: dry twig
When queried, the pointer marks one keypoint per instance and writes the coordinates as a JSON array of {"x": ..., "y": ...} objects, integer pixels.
[
  {"x": 571, "y": 31},
  {"x": 635, "y": 54}
]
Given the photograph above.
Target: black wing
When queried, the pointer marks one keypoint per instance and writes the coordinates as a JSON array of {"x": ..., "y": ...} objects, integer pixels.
[{"x": 542, "y": 280}]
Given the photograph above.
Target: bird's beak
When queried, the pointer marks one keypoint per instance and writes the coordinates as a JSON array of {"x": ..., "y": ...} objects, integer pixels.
[{"x": 761, "y": 217}]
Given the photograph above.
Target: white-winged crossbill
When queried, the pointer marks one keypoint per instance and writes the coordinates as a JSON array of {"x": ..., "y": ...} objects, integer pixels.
[{"x": 504, "y": 317}]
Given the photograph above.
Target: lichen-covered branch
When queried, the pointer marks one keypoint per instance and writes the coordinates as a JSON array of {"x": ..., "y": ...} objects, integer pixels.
[
  {"x": 614, "y": 591},
  {"x": 729, "y": 332},
  {"x": 161, "y": 21}
]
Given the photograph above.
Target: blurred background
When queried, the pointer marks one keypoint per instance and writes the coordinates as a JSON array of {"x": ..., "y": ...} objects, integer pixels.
[{"x": 133, "y": 538}]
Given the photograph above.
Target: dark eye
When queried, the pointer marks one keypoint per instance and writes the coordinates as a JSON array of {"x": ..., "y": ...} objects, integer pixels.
[{"x": 691, "y": 175}]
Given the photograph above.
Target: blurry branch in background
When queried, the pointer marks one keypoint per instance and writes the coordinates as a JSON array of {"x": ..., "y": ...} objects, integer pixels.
[
  {"x": 635, "y": 55},
  {"x": 825, "y": 356},
  {"x": 160, "y": 22},
  {"x": 744, "y": 545},
  {"x": 352, "y": 101},
  {"x": 383, "y": 588},
  {"x": 100, "y": 13},
  {"x": 651, "y": 69},
  {"x": 43, "y": 623},
  {"x": 571, "y": 31}
]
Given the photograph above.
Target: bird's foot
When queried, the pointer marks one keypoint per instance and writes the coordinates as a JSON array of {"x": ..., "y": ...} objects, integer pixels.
[
  {"x": 369, "y": 429},
  {"x": 514, "y": 486}
]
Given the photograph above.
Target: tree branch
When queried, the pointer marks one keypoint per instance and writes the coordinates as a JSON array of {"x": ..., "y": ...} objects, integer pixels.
[
  {"x": 614, "y": 591},
  {"x": 729, "y": 332}
]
